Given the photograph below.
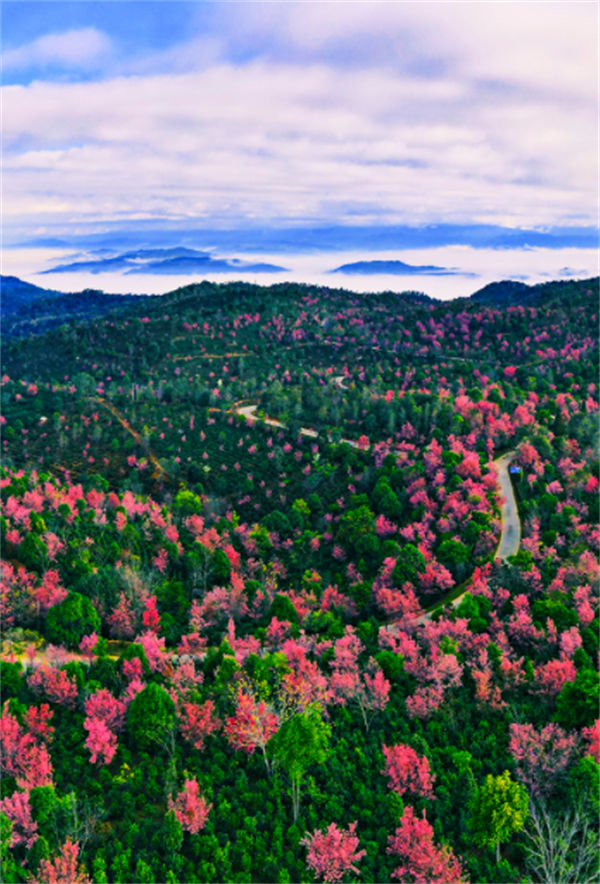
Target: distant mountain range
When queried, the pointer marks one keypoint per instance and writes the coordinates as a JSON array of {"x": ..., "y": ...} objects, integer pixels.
[
  {"x": 165, "y": 261},
  {"x": 397, "y": 268},
  {"x": 289, "y": 239},
  {"x": 185, "y": 261}
]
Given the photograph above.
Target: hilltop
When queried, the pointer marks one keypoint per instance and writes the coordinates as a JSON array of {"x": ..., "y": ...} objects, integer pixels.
[
  {"x": 30, "y": 310},
  {"x": 18, "y": 294},
  {"x": 510, "y": 291}
]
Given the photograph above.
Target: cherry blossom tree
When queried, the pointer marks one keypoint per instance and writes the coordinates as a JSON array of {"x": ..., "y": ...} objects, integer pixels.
[
  {"x": 333, "y": 853},
  {"x": 193, "y": 644},
  {"x": 190, "y": 808},
  {"x": 305, "y": 684},
  {"x": 64, "y": 868},
  {"x": 151, "y": 617},
  {"x": 407, "y": 771},
  {"x": 22, "y": 754},
  {"x": 420, "y": 859},
  {"x": 18, "y": 809},
  {"x": 185, "y": 679},
  {"x": 552, "y": 676},
  {"x": 570, "y": 641},
  {"x": 122, "y": 621},
  {"x": 252, "y": 726},
  {"x": 197, "y": 722},
  {"x": 591, "y": 735},
  {"x": 541, "y": 756},
  {"x": 154, "y": 649},
  {"x": 375, "y": 691},
  {"x": 101, "y": 741},
  {"x": 369, "y": 689},
  {"x": 132, "y": 669},
  {"x": 88, "y": 645},
  {"x": 54, "y": 684},
  {"x": 50, "y": 592},
  {"x": 37, "y": 721},
  {"x": 107, "y": 708}
]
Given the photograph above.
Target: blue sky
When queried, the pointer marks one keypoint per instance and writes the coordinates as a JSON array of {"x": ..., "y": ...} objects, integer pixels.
[{"x": 297, "y": 114}]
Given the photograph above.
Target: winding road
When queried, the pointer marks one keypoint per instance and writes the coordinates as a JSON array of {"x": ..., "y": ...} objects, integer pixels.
[
  {"x": 339, "y": 382},
  {"x": 509, "y": 514},
  {"x": 510, "y": 530},
  {"x": 508, "y": 545},
  {"x": 249, "y": 412},
  {"x": 510, "y": 524}
]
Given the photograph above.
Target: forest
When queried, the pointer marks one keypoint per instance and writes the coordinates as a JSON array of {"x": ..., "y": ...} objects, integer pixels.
[{"x": 254, "y": 623}]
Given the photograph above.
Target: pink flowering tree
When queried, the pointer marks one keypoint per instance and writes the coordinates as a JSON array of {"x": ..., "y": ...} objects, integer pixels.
[
  {"x": 332, "y": 854},
  {"x": 407, "y": 771},
  {"x": 420, "y": 858},
  {"x": 552, "y": 676},
  {"x": 104, "y": 716},
  {"x": 104, "y": 706},
  {"x": 591, "y": 736},
  {"x": 18, "y": 809},
  {"x": 190, "y": 807},
  {"x": 197, "y": 722},
  {"x": 252, "y": 726},
  {"x": 37, "y": 721},
  {"x": 23, "y": 754},
  {"x": 54, "y": 684},
  {"x": 122, "y": 620},
  {"x": 541, "y": 756},
  {"x": 101, "y": 741},
  {"x": 64, "y": 868},
  {"x": 151, "y": 617},
  {"x": 369, "y": 689}
]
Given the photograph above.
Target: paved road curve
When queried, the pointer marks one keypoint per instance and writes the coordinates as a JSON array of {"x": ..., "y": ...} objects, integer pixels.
[
  {"x": 511, "y": 524},
  {"x": 510, "y": 537}
]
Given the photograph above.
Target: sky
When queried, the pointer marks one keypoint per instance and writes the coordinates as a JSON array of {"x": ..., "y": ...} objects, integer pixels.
[{"x": 171, "y": 123}]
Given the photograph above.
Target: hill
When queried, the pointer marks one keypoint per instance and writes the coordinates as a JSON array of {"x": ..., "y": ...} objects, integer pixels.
[
  {"x": 395, "y": 268},
  {"x": 16, "y": 295},
  {"x": 166, "y": 261},
  {"x": 504, "y": 292},
  {"x": 256, "y": 541},
  {"x": 509, "y": 292},
  {"x": 27, "y": 309}
]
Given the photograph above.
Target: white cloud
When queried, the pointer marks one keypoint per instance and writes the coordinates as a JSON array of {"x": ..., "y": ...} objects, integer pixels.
[
  {"x": 399, "y": 112},
  {"x": 525, "y": 43},
  {"x": 81, "y": 48}
]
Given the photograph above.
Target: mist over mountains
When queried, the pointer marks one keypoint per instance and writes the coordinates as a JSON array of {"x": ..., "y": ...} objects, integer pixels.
[
  {"x": 165, "y": 261},
  {"x": 398, "y": 268},
  {"x": 158, "y": 235}
]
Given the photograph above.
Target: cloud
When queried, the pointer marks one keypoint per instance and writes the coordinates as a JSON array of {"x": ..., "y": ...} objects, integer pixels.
[
  {"x": 545, "y": 45},
  {"x": 83, "y": 48},
  {"x": 268, "y": 140},
  {"x": 316, "y": 112}
]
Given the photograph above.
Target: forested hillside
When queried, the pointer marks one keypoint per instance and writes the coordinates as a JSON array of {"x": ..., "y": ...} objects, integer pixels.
[
  {"x": 29, "y": 310},
  {"x": 254, "y": 623}
]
